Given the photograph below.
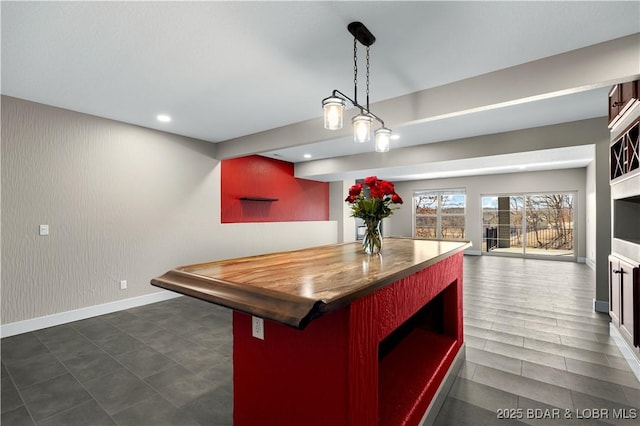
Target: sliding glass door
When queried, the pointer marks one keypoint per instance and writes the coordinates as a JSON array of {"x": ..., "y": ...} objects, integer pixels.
[{"x": 532, "y": 225}]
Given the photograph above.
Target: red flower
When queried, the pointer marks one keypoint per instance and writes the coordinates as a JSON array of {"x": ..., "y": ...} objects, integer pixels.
[
  {"x": 395, "y": 198},
  {"x": 355, "y": 190},
  {"x": 376, "y": 204},
  {"x": 371, "y": 181},
  {"x": 377, "y": 192},
  {"x": 386, "y": 187}
]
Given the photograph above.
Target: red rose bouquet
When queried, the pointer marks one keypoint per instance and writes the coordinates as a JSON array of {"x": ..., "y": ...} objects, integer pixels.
[{"x": 372, "y": 209}]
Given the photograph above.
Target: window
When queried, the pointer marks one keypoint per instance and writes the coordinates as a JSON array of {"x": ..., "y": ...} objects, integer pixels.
[{"x": 439, "y": 214}]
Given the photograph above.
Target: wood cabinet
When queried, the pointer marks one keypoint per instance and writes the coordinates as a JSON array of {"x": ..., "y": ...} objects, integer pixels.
[
  {"x": 625, "y": 153},
  {"x": 624, "y": 261},
  {"x": 621, "y": 97},
  {"x": 614, "y": 291},
  {"x": 624, "y": 298}
]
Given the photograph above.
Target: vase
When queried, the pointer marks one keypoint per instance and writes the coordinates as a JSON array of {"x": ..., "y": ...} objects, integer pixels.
[{"x": 372, "y": 241}]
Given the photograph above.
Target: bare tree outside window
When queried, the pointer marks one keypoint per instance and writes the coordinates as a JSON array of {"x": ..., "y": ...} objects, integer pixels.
[
  {"x": 535, "y": 224},
  {"x": 440, "y": 214}
]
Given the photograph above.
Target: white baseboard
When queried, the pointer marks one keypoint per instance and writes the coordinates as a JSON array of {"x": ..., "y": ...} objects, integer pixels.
[
  {"x": 601, "y": 306},
  {"x": 629, "y": 355},
  {"x": 39, "y": 323},
  {"x": 590, "y": 263},
  {"x": 473, "y": 252}
]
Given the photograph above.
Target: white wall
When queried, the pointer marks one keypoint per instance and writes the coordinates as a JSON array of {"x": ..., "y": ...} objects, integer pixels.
[
  {"x": 122, "y": 202},
  {"x": 591, "y": 223},
  {"x": 341, "y": 212},
  {"x": 401, "y": 222}
]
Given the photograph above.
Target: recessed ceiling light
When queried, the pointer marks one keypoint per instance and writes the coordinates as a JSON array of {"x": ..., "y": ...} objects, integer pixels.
[
  {"x": 163, "y": 118},
  {"x": 307, "y": 155},
  {"x": 395, "y": 137}
]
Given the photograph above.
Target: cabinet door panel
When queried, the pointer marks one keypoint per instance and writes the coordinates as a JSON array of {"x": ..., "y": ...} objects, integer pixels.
[
  {"x": 627, "y": 94},
  {"x": 636, "y": 306},
  {"x": 615, "y": 98},
  {"x": 627, "y": 312},
  {"x": 614, "y": 291}
]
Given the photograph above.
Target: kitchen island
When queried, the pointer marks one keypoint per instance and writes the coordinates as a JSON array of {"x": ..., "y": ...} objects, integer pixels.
[{"x": 330, "y": 335}]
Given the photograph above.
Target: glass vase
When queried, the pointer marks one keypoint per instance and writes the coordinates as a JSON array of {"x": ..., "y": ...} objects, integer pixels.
[{"x": 372, "y": 241}]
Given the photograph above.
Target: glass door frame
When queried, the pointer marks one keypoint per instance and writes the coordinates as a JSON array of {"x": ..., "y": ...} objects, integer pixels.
[{"x": 524, "y": 229}]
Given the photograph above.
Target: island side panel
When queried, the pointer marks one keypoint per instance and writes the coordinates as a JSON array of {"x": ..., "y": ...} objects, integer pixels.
[
  {"x": 376, "y": 316},
  {"x": 292, "y": 377},
  {"x": 329, "y": 372}
]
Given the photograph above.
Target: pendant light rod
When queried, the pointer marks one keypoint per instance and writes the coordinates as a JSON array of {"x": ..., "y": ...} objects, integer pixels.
[{"x": 363, "y": 110}]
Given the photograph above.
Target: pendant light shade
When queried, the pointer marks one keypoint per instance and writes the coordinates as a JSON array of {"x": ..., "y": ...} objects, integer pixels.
[
  {"x": 333, "y": 112},
  {"x": 333, "y": 105},
  {"x": 362, "y": 128},
  {"x": 383, "y": 139}
]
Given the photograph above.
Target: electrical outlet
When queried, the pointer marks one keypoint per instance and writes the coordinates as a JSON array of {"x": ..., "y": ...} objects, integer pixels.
[
  {"x": 257, "y": 327},
  {"x": 123, "y": 284},
  {"x": 44, "y": 230}
]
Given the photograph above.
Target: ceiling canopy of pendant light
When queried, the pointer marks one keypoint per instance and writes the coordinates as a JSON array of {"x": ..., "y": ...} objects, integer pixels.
[{"x": 333, "y": 105}]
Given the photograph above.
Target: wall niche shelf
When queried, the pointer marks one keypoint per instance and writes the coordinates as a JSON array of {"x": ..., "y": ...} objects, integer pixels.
[{"x": 263, "y": 199}]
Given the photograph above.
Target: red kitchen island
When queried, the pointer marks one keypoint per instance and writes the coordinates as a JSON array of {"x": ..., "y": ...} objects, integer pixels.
[{"x": 347, "y": 338}]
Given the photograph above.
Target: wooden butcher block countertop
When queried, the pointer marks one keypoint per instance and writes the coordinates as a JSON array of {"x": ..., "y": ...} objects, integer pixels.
[{"x": 295, "y": 287}]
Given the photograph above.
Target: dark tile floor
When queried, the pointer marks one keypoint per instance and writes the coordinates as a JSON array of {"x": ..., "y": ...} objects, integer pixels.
[
  {"x": 533, "y": 343},
  {"x": 163, "y": 364}
]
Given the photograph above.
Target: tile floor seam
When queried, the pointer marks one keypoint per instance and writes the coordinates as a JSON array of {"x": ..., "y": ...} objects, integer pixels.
[
  {"x": 566, "y": 376},
  {"x": 155, "y": 395},
  {"x": 75, "y": 406},
  {"x": 565, "y": 347},
  {"x": 78, "y": 381},
  {"x": 92, "y": 378},
  {"x": 24, "y": 404},
  {"x": 93, "y": 396},
  {"x": 530, "y": 380},
  {"x": 66, "y": 410}
]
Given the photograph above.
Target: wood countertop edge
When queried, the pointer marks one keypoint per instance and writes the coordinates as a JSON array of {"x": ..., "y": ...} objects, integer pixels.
[
  {"x": 263, "y": 303},
  {"x": 288, "y": 309}
]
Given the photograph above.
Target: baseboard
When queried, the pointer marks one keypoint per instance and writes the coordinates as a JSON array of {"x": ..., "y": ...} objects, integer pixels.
[
  {"x": 473, "y": 252},
  {"x": 590, "y": 263},
  {"x": 39, "y": 323},
  {"x": 629, "y": 355},
  {"x": 601, "y": 306},
  {"x": 443, "y": 390}
]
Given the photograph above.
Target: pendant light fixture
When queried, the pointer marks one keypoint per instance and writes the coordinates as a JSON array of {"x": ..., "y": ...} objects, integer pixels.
[{"x": 333, "y": 105}]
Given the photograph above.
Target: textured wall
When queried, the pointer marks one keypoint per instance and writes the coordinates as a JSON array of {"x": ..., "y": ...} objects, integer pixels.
[
  {"x": 122, "y": 202},
  {"x": 256, "y": 176}
]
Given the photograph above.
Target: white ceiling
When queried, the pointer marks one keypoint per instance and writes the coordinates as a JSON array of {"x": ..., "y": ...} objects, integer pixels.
[{"x": 223, "y": 70}]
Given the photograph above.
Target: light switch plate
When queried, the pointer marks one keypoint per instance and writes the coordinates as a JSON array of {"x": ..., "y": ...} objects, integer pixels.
[{"x": 44, "y": 230}]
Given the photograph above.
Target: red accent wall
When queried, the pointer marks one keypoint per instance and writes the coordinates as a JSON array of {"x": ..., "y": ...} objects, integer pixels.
[{"x": 256, "y": 176}]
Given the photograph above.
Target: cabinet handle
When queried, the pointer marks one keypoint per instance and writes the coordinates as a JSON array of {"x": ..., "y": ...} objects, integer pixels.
[
  {"x": 616, "y": 104},
  {"x": 618, "y": 271}
]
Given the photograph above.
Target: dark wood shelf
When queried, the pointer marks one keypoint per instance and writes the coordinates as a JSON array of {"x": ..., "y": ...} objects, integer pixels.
[{"x": 264, "y": 199}]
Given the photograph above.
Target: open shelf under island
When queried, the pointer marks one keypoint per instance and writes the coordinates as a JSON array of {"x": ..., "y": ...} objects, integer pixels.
[{"x": 349, "y": 339}]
